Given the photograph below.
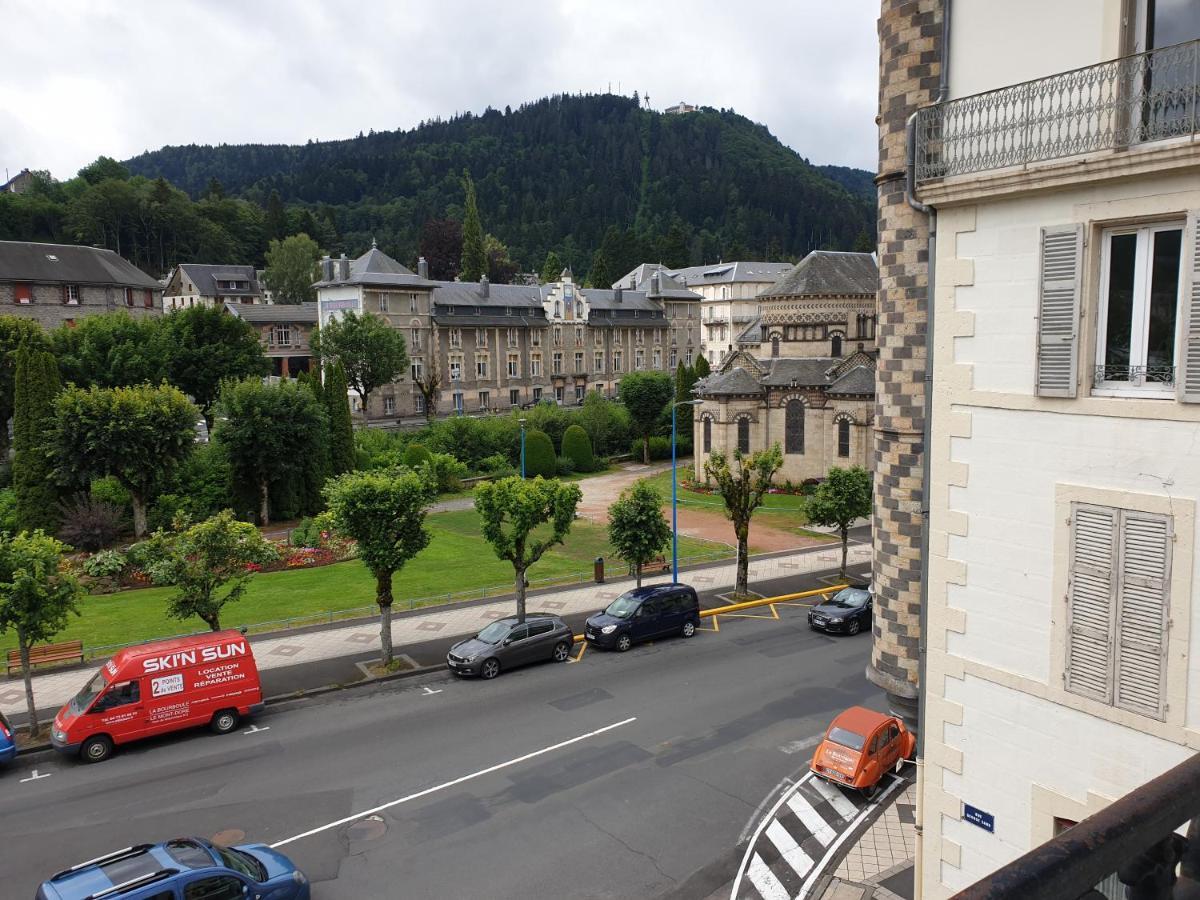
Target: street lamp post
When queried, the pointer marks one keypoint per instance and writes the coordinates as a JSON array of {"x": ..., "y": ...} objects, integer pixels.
[
  {"x": 675, "y": 494},
  {"x": 522, "y": 421}
]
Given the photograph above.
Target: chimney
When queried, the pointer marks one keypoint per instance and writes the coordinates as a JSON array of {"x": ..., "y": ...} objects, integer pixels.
[
  {"x": 484, "y": 286},
  {"x": 617, "y": 294},
  {"x": 422, "y": 267},
  {"x": 343, "y": 267},
  {"x": 326, "y": 269},
  {"x": 632, "y": 283},
  {"x": 655, "y": 283}
]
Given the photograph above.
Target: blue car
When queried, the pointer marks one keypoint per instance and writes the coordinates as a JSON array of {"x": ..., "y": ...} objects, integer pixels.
[
  {"x": 644, "y": 613},
  {"x": 181, "y": 869},
  {"x": 8, "y": 741}
]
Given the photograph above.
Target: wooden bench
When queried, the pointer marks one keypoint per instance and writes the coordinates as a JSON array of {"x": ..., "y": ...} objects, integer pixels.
[
  {"x": 67, "y": 651},
  {"x": 658, "y": 564}
]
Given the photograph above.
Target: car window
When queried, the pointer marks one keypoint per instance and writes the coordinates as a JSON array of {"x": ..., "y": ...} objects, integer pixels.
[
  {"x": 119, "y": 695},
  {"x": 163, "y": 895},
  {"x": 893, "y": 733},
  {"x": 540, "y": 628},
  {"x": 650, "y": 609},
  {"x": 189, "y": 854},
  {"x": 624, "y": 606},
  {"x": 672, "y": 603},
  {"x": 850, "y": 598},
  {"x": 494, "y": 633},
  {"x": 847, "y": 738},
  {"x": 221, "y": 887},
  {"x": 518, "y": 634}
]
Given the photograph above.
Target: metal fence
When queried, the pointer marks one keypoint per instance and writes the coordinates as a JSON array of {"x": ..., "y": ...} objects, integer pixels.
[{"x": 1112, "y": 105}]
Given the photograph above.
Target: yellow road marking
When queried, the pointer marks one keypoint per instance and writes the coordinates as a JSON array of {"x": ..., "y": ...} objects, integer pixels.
[{"x": 582, "y": 650}]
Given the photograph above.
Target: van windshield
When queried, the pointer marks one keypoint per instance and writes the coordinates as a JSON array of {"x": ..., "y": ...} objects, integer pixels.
[
  {"x": 90, "y": 691},
  {"x": 624, "y": 606},
  {"x": 241, "y": 861}
]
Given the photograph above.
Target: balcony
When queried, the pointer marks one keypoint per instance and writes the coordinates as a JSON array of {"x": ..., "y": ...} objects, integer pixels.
[
  {"x": 1131, "y": 848},
  {"x": 1114, "y": 105}
]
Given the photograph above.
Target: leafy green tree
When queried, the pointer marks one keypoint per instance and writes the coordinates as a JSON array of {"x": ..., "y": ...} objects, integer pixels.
[
  {"x": 606, "y": 422},
  {"x": 292, "y": 268},
  {"x": 370, "y": 351},
  {"x": 685, "y": 380},
  {"x": 474, "y": 252},
  {"x": 207, "y": 564},
  {"x": 14, "y": 333},
  {"x": 268, "y": 431},
  {"x": 37, "y": 595},
  {"x": 646, "y": 395},
  {"x": 416, "y": 455},
  {"x": 522, "y": 519},
  {"x": 577, "y": 447},
  {"x": 701, "y": 370},
  {"x": 319, "y": 464},
  {"x": 673, "y": 249},
  {"x": 500, "y": 267},
  {"x": 207, "y": 346},
  {"x": 139, "y": 435},
  {"x": 341, "y": 425},
  {"x": 742, "y": 482},
  {"x": 539, "y": 455},
  {"x": 103, "y": 169},
  {"x": 112, "y": 350},
  {"x": 637, "y": 528},
  {"x": 384, "y": 511},
  {"x": 551, "y": 268},
  {"x": 37, "y": 385},
  {"x": 843, "y": 497}
]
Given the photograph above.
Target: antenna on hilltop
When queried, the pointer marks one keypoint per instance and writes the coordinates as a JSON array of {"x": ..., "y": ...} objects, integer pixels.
[{"x": 647, "y": 101}]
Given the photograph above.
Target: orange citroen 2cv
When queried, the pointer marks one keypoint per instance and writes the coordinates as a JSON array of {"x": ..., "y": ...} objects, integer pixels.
[{"x": 860, "y": 746}]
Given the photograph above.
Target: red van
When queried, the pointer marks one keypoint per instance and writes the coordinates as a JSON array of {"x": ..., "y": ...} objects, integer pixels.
[{"x": 208, "y": 679}]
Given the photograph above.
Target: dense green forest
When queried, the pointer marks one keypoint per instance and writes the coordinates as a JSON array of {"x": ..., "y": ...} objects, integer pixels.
[{"x": 596, "y": 179}]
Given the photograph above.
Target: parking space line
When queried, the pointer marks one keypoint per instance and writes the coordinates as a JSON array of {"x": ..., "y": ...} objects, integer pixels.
[
  {"x": 771, "y": 607},
  {"x": 582, "y": 650}
]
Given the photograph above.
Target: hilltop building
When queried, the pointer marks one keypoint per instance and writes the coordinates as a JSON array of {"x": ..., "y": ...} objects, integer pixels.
[
  {"x": 201, "y": 284},
  {"x": 19, "y": 183}
]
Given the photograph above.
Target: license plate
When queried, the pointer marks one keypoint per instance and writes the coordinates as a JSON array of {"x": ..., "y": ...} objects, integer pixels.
[{"x": 817, "y": 620}]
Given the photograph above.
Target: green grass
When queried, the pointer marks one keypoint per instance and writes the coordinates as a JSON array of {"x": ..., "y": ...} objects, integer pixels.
[
  {"x": 577, "y": 476},
  {"x": 778, "y": 510},
  {"x": 457, "y": 560}
]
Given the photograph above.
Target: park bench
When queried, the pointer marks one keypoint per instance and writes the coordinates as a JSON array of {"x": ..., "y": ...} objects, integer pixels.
[
  {"x": 658, "y": 564},
  {"x": 67, "y": 651}
]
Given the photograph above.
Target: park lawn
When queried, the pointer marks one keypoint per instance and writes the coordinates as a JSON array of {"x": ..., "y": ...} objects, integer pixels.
[
  {"x": 457, "y": 560},
  {"x": 785, "y": 511}
]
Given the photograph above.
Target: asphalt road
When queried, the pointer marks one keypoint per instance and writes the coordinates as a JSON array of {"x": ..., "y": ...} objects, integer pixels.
[{"x": 627, "y": 775}]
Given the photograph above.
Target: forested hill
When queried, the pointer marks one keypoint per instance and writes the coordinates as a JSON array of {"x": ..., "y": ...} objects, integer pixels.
[{"x": 556, "y": 174}]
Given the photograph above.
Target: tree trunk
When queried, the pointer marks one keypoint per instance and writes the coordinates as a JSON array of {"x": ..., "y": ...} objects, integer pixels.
[
  {"x": 208, "y": 423},
  {"x": 741, "y": 588},
  {"x": 521, "y": 585},
  {"x": 637, "y": 571},
  {"x": 845, "y": 547},
  {"x": 646, "y": 450},
  {"x": 139, "y": 515},
  {"x": 364, "y": 397},
  {"x": 34, "y": 727},
  {"x": 264, "y": 503},
  {"x": 213, "y": 621},
  {"x": 383, "y": 596}
]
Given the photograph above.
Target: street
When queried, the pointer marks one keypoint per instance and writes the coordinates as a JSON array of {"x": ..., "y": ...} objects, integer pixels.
[{"x": 627, "y": 775}]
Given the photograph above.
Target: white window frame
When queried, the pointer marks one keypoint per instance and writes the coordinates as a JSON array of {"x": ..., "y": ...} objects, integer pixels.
[
  {"x": 416, "y": 338},
  {"x": 417, "y": 369},
  {"x": 1142, "y": 275},
  {"x": 457, "y": 399},
  {"x": 281, "y": 335},
  {"x": 617, "y": 360},
  {"x": 456, "y": 369},
  {"x": 537, "y": 394},
  {"x": 384, "y": 303},
  {"x": 556, "y": 363},
  {"x": 580, "y": 365},
  {"x": 535, "y": 366},
  {"x": 485, "y": 400},
  {"x": 514, "y": 366},
  {"x": 419, "y": 402},
  {"x": 73, "y": 295},
  {"x": 412, "y": 303},
  {"x": 598, "y": 362},
  {"x": 639, "y": 360},
  {"x": 455, "y": 337},
  {"x": 514, "y": 397},
  {"x": 389, "y": 406}
]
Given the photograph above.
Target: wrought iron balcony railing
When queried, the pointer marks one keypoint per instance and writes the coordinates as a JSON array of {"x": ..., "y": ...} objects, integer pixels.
[
  {"x": 1113, "y": 105},
  {"x": 1130, "y": 850},
  {"x": 1134, "y": 375}
]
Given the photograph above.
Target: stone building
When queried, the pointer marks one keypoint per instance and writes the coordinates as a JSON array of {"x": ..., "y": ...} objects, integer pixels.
[
  {"x": 496, "y": 347},
  {"x": 202, "y": 284},
  {"x": 804, "y": 373},
  {"x": 284, "y": 330},
  {"x": 57, "y": 284}
]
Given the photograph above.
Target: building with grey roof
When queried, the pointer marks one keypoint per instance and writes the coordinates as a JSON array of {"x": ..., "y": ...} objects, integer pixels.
[
  {"x": 205, "y": 284},
  {"x": 57, "y": 284},
  {"x": 477, "y": 347},
  {"x": 284, "y": 330}
]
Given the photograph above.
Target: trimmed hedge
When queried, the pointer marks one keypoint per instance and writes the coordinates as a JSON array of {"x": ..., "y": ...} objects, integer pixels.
[
  {"x": 416, "y": 456},
  {"x": 539, "y": 455},
  {"x": 577, "y": 447}
]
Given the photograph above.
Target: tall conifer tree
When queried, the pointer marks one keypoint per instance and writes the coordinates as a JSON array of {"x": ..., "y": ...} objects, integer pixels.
[
  {"x": 341, "y": 426},
  {"x": 36, "y": 383},
  {"x": 474, "y": 257}
]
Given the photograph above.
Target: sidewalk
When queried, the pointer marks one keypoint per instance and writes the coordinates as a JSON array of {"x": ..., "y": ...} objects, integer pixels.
[
  {"x": 53, "y": 689},
  {"x": 880, "y": 864}
]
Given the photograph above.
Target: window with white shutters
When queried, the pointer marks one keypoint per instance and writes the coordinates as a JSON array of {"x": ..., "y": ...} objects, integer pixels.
[
  {"x": 1058, "y": 310},
  {"x": 1118, "y": 594},
  {"x": 1189, "y": 379}
]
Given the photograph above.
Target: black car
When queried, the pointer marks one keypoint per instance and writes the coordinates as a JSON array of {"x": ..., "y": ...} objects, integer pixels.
[
  {"x": 849, "y": 612},
  {"x": 508, "y": 643},
  {"x": 644, "y": 613}
]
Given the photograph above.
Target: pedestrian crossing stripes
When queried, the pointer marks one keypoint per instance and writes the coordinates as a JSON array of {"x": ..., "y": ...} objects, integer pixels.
[{"x": 794, "y": 841}]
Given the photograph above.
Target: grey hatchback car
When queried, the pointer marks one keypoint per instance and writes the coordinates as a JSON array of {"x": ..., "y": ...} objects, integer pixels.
[{"x": 507, "y": 643}]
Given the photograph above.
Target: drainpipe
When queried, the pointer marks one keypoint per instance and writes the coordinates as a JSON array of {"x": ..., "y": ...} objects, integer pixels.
[{"x": 926, "y": 440}]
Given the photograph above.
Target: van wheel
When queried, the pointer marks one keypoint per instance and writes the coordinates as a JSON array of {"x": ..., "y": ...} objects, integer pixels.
[
  {"x": 623, "y": 643},
  {"x": 96, "y": 749},
  {"x": 689, "y": 628},
  {"x": 562, "y": 651},
  {"x": 224, "y": 721},
  {"x": 490, "y": 669}
]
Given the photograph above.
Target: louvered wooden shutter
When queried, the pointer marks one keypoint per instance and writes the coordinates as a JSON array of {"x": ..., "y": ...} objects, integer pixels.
[
  {"x": 1142, "y": 601},
  {"x": 1091, "y": 601},
  {"x": 1188, "y": 379},
  {"x": 1058, "y": 310}
]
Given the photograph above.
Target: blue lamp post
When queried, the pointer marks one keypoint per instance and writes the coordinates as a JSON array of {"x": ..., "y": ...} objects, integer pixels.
[
  {"x": 675, "y": 494},
  {"x": 522, "y": 421}
]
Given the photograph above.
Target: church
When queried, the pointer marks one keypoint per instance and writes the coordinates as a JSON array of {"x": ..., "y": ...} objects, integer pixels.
[{"x": 803, "y": 372}]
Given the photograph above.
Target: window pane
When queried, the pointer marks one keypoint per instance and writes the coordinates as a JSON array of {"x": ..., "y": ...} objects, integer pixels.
[
  {"x": 794, "y": 427},
  {"x": 1164, "y": 299},
  {"x": 1119, "y": 322}
]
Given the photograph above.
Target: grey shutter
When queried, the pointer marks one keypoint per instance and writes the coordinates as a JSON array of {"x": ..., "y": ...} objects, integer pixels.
[
  {"x": 1189, "y": 352},
  {"x": 1058, "y": 310},
  {"x": 1142, "y": 601},
  {"x": 1091, "y": 601}
]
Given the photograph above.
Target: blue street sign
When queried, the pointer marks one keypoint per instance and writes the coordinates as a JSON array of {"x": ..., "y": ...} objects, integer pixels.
[{"x": 975, "y": 816}]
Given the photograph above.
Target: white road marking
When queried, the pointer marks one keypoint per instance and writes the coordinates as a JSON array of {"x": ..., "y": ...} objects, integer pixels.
[
  {"x": 844, "y": 807},
  {"x": 254, "y": 729},
  {"x": 755, "y": 819},
  {"x": 812, "y": 820},
  {"x": 791, "y": 852},
  {"x": 448, "y": 784},
  {"x": 797, "y": 746},
  {"x": 769, "y": 817},
  {"x": 429, "y": 692},
  {"x": 34, "y": 776},
  {"x": 766, "y": 882}
]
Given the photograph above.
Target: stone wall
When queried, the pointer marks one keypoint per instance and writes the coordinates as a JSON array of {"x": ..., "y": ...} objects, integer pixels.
[{"x": 49, "y": 309}]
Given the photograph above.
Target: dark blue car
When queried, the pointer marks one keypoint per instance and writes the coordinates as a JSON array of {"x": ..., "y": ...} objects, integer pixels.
[
  {"x": 181, "y": 869},
  {"x": 644, "y": 613},
  {"x": 8, "y": 741}
]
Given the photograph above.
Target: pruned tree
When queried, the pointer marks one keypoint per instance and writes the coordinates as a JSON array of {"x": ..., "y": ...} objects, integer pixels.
[
  {"x": 843, "y": 497},
  {"x": 112, "y": 350},
  {"x": 14, "y": 334},
  {"x": 37, "y": 595},
  {"x": 646, "y": 395},
  {"x": 742, "y": 482},
  {"x": 369, "y": 350},
  {"x": 522, "y": 519},
  {"x": 384, "y": 511},
  {"x": 637, "y": 528},
  {"x": 36, "y": 386},
  {"x": 139, "y": 435},
  {"x": 207, "y": 564},
  {"x": 341, "y": 424}
]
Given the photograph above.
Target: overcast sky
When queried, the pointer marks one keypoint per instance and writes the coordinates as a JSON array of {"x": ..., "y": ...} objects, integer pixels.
[{"x": 116, "y": 77}]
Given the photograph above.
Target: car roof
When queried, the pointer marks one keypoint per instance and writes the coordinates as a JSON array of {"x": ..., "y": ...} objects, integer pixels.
[
  {"x": 127, "y": 869},
  {"x": 175, "y": 645},
  {"x": 650, "y": 590},
  {"x": 861, "y": 720},
  {"x": 512, "y": 620}
]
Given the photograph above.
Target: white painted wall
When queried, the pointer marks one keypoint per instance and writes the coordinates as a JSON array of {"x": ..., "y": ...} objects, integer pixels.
[{"x": 334, "y": 302}]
